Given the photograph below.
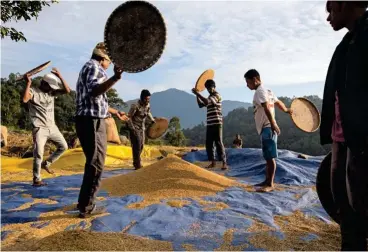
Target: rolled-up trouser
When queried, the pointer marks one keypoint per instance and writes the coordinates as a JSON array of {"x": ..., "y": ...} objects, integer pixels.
[
  {"x": 137, "y": 142},
  {"x": 40, "y": 136},
  {"x": 349, "y": 185},
  {"x": 214, "y": 138},
  {"x": 92, "y": 136}
]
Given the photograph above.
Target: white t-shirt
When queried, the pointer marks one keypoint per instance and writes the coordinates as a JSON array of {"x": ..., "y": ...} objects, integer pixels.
[{"x": 263, "y": 95}]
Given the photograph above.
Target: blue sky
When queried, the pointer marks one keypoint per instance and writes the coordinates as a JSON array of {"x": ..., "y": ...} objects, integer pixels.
[{"x": 288, "y": 42}]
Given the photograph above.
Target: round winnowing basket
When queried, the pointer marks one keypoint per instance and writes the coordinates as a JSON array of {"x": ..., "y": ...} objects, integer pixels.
[
  {"x": 35, "y": 70},
  {"x": 135, "y": 36},
  {"x": 305, "y": 115},
  {"x": 158, "y": 128},
  {"x": 206, "y": 75}
]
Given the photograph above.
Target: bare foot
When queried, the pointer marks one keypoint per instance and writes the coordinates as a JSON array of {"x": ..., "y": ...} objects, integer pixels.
[
  {"x": 264, "y": 183},
  {"x": 224, "y": 166},
  {"x": 265, "y": 189},
  {"x": 212, "y": 165}
]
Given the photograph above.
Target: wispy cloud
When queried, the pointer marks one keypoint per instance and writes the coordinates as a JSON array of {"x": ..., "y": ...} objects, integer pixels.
[{"x": 288, "y": 42}]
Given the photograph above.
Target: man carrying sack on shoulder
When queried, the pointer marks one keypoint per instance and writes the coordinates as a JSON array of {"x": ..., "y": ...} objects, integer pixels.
[
  {"x": 92, "y": 109},
  {"x": 138, "y": 113}
]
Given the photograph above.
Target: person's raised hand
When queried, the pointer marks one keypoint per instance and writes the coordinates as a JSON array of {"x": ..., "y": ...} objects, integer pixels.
[
  {"x": 27, "y": 78},
  {"x": 275, "y": 128},
  {"x": 56, "y": 72},
  {"x": 117, "y": 72}
]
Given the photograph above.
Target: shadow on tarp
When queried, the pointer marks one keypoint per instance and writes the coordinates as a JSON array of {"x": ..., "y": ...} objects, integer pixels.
[
  {"x": 191, "y": 224},
  {"x": 249, "y": 164},
  {"x": 63, "y": 189}
]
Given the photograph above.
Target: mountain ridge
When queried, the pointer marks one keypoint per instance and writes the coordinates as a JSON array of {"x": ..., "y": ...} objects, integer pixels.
[{"x": 174, "y": 102}]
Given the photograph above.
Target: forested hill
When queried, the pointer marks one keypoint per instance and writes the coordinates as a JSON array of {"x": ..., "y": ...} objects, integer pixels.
[{"x": 241, "y": 121}]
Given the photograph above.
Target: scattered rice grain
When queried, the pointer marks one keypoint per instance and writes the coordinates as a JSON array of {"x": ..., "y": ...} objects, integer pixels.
[
  {"x": 178, "y": 203},
  {"x": 294, "y": 228}
]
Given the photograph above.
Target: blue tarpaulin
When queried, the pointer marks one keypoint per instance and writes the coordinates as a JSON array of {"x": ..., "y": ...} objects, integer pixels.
[
  {"x": 190, "y": 224},
  {"x": 249, "y": 165}
]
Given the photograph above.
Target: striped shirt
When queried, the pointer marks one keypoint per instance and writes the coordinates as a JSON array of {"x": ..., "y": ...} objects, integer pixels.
[
  {"x": 91, "y": 75},
  {"x": 138, "y": 114},
  {"x": 214, "y": 114}
]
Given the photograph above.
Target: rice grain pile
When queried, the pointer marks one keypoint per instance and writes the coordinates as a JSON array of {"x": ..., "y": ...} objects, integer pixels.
[
  {"x": 168, "y": 178},
  {"x": 91, "y": 241}
]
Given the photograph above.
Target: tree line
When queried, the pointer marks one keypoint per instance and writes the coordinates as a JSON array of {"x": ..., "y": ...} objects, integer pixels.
[{"x": 14, "y": 114}]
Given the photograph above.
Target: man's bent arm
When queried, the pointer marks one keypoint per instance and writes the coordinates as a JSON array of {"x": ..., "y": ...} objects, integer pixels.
[
  {"x": 113, "y": 111},
  {"x": 104, "y": 87},
  {"x": 66, "y": 89},
  {"x": 200, "y": 103},
  {"x": 205, "y": 101},
  {"x": 27, "y": 92},
  {"x": 268, "y": 113},
  {"x": 281, "y": 106}
]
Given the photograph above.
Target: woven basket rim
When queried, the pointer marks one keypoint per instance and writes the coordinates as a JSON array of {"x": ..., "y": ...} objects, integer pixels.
[
  {"x": 201, "y": 79},
  {"x": 112, "y": 15},
  {"x": 36, "y": 69},
  {"x": 315, "y": 109},
  {"x": 162, "y": 123}
]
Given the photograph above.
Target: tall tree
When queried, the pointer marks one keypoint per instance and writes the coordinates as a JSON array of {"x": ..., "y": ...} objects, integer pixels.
[
  {"x": 175, "y": 135},
  {"x": 10, "y": 103},
  {"x": 65, "y": 111},
  {"x": 115, "y": 102},
  {"x": 17, "y": 10}
]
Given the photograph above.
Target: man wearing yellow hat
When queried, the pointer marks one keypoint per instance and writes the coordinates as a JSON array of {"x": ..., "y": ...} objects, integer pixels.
[
  {"x": 41, "y": 110},
  {"x": 91, "y": 110}
]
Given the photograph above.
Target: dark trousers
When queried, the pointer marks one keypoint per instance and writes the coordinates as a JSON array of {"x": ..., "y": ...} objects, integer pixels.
[
  {"x": 137, "y": 143},
  {"x": 92, "y": 136},
  {"x": 214, "y": 138},
  {"x": 349, "y": 185}
]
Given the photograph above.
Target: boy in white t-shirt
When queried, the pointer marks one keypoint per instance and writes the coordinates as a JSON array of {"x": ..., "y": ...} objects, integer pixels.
[{"x": 264, "y": 102}]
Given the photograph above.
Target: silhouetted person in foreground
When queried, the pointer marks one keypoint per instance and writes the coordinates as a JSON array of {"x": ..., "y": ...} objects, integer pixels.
[{"x": 344, "y": 120}]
